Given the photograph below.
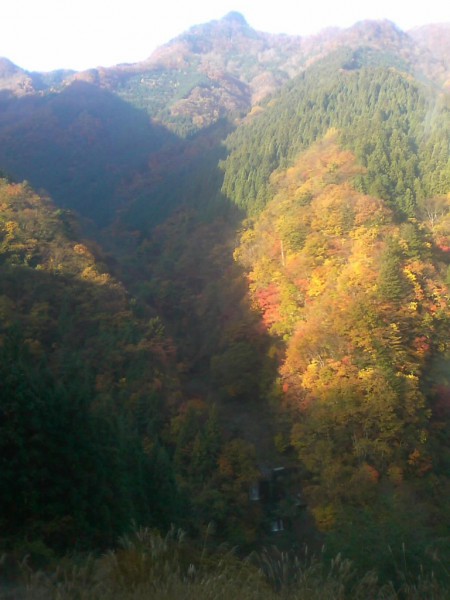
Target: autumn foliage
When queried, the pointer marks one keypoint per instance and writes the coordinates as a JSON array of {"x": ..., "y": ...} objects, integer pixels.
[{"x": 361, "y": 307}]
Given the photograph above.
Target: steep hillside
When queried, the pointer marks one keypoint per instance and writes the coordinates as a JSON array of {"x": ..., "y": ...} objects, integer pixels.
[
  {"x": 360, "y": 306},
  {"x": 397, "y": 127},
  {"x": 346, "y": 253},
  {"x": 60, "y": 131},
  {"x": 77, "y": 144},
  {"x": 255, "y": 347},
  {"x": 103, "y": 421},
  {"x": 78, "y": 366}
]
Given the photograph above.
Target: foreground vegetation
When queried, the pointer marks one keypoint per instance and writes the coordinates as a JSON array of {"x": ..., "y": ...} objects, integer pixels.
[{"x": 147, "y": 565}]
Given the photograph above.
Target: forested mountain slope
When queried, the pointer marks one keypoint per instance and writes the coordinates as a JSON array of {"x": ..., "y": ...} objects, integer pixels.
[
  {"x": 77, "y": 144},
  {"x": 397, "y": 128},
  {"x": 77, "y": 363},
  {"x": 346, "y": 252},
  {"x": 59, "y": 130},
  {"x": 361, "y": 303},
  {"x": 257, "y": 338},
  {"x": 100, "y": 427}
]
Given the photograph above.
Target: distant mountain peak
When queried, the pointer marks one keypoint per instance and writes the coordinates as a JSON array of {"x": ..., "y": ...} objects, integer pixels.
[
  {"x": 235, "y": 17},
  {"x": 378, "y": 28},
  {"x": 14, "y": 79},
  {"x": 8, "y": 68}
]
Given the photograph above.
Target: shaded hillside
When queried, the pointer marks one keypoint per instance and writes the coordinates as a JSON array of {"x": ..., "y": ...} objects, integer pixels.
[
  {"x": 183, "y": 175},
  {"x": 78, "y": 367},
  {"x": 105, "y": 422},
  {"x": 78, "y": 145}
]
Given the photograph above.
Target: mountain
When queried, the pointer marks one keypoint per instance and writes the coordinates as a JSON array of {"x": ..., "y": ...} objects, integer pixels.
[
  {"x": 435, "y": 39},
  {"x": 60, "y": 142},
  {"x": 74, "y": 358},
  {"x": 224, "y": 67},
  {"x": 347, "y": 87},
  {"x": 239, "y": 66},
  {"x": 13, "y": 78},
  {"x": 240, "y": 273},
  {"x": 19, "y": 82},
  {"x": 58, "y": 131}
]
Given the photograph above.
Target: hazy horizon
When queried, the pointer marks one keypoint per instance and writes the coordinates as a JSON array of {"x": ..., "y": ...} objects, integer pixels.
[{"x": 63, "y": 35}]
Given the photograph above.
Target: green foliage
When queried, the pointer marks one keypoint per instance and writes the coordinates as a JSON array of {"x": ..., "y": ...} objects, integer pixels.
[
  {"x": 80, "y": 462},
  {"x": 391, "y": 281},
  {"x": 69, "y": 477},
  {"x": 399, "y": 552},
  {"x": 236, "y": 371},
  {"x": 157, "y": 91},
  {"x": 393, "y": 125}
]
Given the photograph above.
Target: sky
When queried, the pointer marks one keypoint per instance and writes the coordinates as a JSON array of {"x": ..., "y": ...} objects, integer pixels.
[{"x": 43, "y": 35}]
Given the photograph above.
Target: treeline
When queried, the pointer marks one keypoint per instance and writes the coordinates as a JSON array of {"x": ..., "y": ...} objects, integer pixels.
[
  {"x": 104, "y": 426},
  {"x": 396, "y": 127},
  {"x": 78, "y": 365},
  {"x": 359, "y": 306}
]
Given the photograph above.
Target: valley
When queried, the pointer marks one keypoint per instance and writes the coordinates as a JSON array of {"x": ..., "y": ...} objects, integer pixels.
[{"x": 224, "y": 263}]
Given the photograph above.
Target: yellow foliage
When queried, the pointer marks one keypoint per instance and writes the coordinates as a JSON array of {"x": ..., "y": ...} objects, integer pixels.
[
  {"x": 83, "y": 250},
  {"x": 325, "y": 517},
  {"x": 409, "y": 274},
  {"x": 317, "y": 285},
  {"x": 11, "y": 227}
]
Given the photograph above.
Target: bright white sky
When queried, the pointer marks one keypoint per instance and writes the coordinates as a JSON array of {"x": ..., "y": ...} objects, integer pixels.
[{"x": 43, "y": 35}]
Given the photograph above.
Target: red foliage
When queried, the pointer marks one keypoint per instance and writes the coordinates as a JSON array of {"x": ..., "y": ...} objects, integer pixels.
[
  {"x": 442, "y": 244},
  {"x": 373, "y": 474},
  {"x": 268, "y": 301},
  {"x": 421, "y": 343}
]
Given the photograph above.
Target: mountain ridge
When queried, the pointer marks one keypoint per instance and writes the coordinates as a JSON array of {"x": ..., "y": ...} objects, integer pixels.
[
  {"x": 265, "y": 294},
  {"x": 229, "y": 32}
]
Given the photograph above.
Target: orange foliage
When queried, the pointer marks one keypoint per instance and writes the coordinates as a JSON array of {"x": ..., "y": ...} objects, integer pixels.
[
  {"x": 268, "y": 300},
  {"x": 353, "y": 358}
]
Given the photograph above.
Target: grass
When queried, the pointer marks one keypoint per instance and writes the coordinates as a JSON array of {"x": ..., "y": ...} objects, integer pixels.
[{"x": 147, "y": 566}]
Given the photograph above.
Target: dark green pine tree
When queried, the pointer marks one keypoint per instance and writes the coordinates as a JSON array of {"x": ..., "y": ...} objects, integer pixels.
[
  {"x": 71, "y": 474},
  {"x": 391, "y": 281}
]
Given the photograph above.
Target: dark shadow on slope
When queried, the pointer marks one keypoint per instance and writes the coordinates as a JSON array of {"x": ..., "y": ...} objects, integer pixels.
[
  {"x": 175, "y": 246},
  {"x": 75, "y": 474},
  {"x": 183, "y": 175},
  {"x": 78, "y": 145}
]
